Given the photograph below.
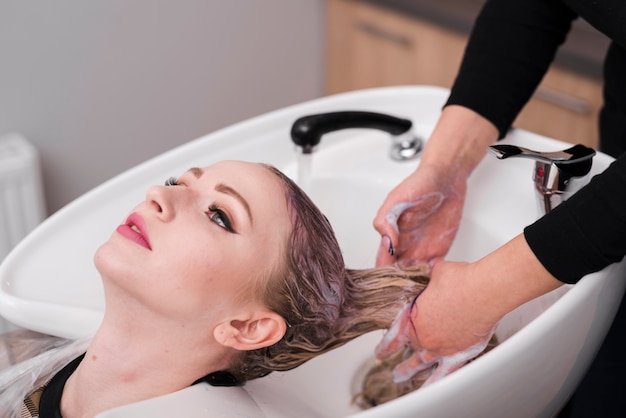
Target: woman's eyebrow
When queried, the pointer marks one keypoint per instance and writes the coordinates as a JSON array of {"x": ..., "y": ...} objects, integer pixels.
[
  {"x": 197, "y": 172},
  {"x": 223, "y": 188}
]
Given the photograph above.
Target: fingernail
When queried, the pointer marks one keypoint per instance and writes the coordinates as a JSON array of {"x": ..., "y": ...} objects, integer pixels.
[{"x": 390, "y": 249}]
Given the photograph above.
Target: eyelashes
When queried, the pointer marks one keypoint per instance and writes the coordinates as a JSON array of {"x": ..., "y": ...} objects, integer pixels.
[
  {"x": 219, "y": 217},
  {"x": 216, "y": 214},
  {"x": 172, "y": 181}
]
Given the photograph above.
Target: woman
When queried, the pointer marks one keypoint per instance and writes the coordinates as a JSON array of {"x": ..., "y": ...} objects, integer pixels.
[{"x": 223, "y": 275}]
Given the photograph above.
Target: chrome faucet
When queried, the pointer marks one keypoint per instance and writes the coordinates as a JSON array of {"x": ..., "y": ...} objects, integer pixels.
[
  {"x": 307, "y": 131},
  {"x": 557, "y": 176}
]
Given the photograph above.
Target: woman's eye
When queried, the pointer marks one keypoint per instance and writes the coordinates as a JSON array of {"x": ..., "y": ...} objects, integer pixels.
[
  {"x": 218, "y": 216},
  {"x": 172, "y": 181}
]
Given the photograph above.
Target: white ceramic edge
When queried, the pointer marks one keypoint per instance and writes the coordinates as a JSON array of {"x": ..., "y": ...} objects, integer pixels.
[{"x": 20, "y": 311}]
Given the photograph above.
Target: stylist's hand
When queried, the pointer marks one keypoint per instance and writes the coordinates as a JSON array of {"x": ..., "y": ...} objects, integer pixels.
[
  {"x": 444, "y": 327},
  {"x": 455, "y": 316},
  {"x": 420, "y": 217}
]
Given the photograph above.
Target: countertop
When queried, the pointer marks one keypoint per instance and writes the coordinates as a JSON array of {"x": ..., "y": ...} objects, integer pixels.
[{"x": 583, "y": 51}]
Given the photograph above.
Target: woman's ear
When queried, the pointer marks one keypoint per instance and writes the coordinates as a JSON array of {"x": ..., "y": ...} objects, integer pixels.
[{"x": 261, "y": 330}]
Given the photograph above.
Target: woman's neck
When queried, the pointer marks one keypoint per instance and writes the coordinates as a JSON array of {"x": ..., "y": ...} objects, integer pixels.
[{"x": 126, "y": 363}]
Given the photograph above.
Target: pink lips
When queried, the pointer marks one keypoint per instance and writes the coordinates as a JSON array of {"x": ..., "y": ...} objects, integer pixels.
[{"x": 135, "y": 230}]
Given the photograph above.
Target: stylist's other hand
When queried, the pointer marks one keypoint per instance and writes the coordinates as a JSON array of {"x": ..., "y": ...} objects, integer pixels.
[
  {"x": 420, "y": 217},
  {"x": 442, "y": 328}
]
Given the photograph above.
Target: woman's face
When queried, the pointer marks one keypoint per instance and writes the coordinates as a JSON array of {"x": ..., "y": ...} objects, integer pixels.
[{"x": 195, "y": 248}]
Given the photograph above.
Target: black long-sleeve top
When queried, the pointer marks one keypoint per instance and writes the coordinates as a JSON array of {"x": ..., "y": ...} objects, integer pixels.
[{"x": 512, "y": 44}]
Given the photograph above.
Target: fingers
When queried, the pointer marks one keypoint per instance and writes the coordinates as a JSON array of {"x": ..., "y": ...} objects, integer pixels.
[
  {"x": 403, "y": 226},
  {"x": 387, "y": 227},
  {"x": 394, "y": 213},
  {"x": 389, "y": 234},
  {"x": 444, "y": 368},
  {"x": 381, "y": 221},
  {"x": 386, "y": 252},
  {"x": 398, "y": 336},
  {"x": 415, "y": 213},
  {"x": 410, "y": 367},
  {"x": 386, "y": 223},
  {"x": 419, "y": 361}
]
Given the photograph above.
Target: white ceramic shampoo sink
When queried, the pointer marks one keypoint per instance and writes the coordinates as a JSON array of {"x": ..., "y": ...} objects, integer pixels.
[{"x": 48, "y": 283}]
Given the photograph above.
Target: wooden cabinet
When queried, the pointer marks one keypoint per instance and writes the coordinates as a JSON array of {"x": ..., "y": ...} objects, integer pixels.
[
  {"x": 565, "y": 106},
  {"x": 371, "y": 46}
]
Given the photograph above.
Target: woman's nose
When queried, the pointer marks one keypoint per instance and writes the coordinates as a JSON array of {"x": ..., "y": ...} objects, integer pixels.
[{"x": 160, "y": 199}]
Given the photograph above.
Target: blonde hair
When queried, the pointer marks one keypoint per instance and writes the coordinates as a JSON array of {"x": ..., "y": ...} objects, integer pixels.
[
  {"x": 379, "y": 387},
  {"x": 326, "y": 304}
]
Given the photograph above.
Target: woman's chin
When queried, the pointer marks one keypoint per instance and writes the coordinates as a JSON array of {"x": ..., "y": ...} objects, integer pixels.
[{"x": 112, "y": 261}]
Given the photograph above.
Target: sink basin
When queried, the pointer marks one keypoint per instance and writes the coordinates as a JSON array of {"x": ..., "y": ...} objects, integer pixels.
[{"x": 48, "y": 282}]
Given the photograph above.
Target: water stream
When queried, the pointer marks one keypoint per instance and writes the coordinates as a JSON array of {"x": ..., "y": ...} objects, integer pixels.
[{"x": 305, "y": 172}]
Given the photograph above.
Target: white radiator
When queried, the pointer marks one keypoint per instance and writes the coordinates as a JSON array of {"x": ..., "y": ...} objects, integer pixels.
[{"x": 22, "y": 204}]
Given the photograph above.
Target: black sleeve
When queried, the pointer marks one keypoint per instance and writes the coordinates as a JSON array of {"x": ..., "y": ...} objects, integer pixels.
[
  {"x": 587, "y": 232},
  {"x": 511, "y": 47}
]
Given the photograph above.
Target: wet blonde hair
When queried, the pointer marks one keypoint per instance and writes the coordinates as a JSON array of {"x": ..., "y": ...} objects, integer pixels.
[
  {"x": 326, "y": 304},
  {"x": 378, "y": 386}
]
